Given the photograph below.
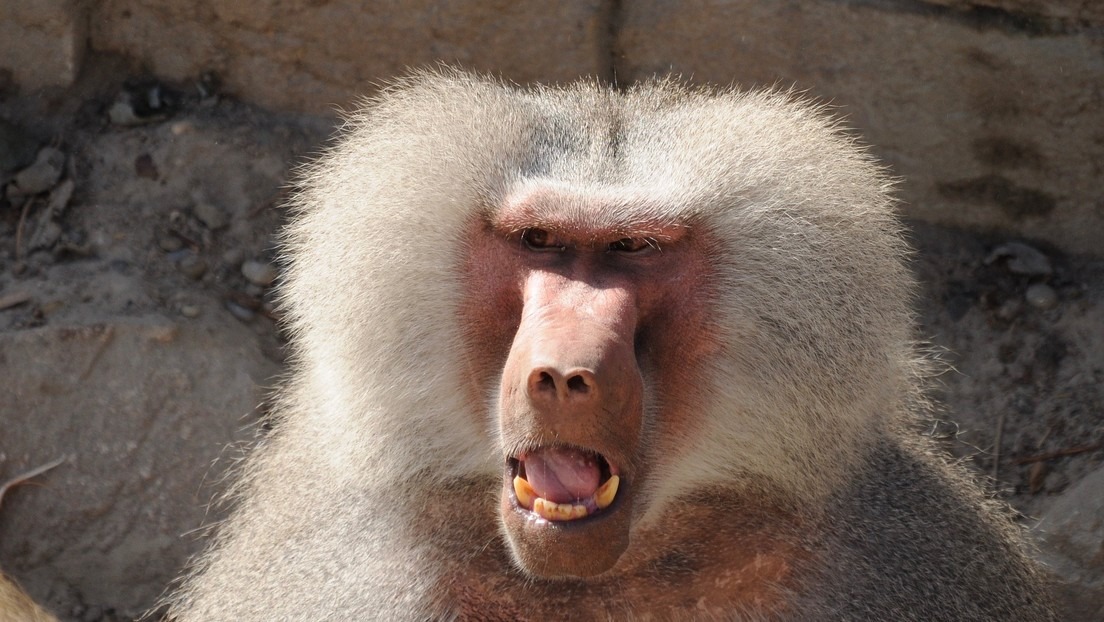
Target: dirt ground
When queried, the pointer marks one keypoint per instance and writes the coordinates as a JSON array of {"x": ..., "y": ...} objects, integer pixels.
[{"x": 158, "y": 228}]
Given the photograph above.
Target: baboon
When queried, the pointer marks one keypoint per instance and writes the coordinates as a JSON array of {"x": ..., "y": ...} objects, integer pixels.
[{"x": 581, "y": 353}]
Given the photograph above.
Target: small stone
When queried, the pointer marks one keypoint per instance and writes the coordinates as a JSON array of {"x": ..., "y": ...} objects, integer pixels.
[
  {"x": 192, "y": 267},
  {"x": 40, "y": 176},
  {"x": 212, "y": 216},
  {"x": 1041, "y": 296},
  {"x": 239, "y": 311},
  {"x": 233, "y": 257},
  {"x": 170, "y": 243},
  {"x": 258, "y": 272},
  {"x": 153, "y": 98},
  {"x": 122, "y": 112},
  {"x": 177, "y": 255},
  {"x": 1009, "y": 310},
  {"x": 1022, "y": 259},
  {"x": 189, "y": 311},
  {"x": 13, "y": 299},
  {"x": 45, "y": 235},
  {"x": 1071, "y": 532},
  {"x": 182, "y": 127},
  {"x": 59, "y": 198}
]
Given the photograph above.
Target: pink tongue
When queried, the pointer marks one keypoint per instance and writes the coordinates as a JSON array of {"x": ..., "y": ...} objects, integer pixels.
[{"x": 562, "y": 475}]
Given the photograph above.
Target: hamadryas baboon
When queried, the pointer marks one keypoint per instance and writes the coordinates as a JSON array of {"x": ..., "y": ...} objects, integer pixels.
[{"x": 579, "y": 353}]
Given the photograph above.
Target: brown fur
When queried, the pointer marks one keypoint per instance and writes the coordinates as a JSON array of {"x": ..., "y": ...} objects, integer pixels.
[
  {"x": 769, "y": 471},
  {"x": 16, "y": 606}
]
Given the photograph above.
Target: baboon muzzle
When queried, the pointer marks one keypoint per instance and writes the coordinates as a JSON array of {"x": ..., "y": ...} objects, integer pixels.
[{"x": 570, "y": 416}]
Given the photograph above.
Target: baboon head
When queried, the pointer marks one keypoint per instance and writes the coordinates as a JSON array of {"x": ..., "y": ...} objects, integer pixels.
[{"x": 596, "y": 303}]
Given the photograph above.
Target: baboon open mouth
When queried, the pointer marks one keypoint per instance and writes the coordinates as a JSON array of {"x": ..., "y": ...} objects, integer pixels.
[{"x": 563, "y": 483}]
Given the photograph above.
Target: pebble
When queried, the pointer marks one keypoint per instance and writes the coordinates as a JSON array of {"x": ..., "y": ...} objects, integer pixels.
[
  {"x": 192, "y": 267},
  {"x": 40, "y": 176},
  {"x": 259, "y": 272},
  {"x": 239, "y": 311},
  {"x": 182, "y": 127},
  {"x": 170, "y": 243},
  {"x": 154, "y": 99},
  {"x": 189, "y": 311},
  {"x": 177, "y": 255},
  {"x": 59, "y": 198},
  {"x": 212, "y": 216},
  {"x": 122, "y": 112},
  {"x": 46, "y": 234},
  {"x": 13, "y": 299},
  {"x": 1022, "y": 259},
  {"x": 1072, "y": 531},
  {"x": 1009, "y": 310},
  {"x": 1041, "y": 296},
  {"x": 233, "y": 257}
]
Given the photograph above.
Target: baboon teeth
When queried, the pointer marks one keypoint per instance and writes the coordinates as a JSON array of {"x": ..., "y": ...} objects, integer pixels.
[
  {"x": 552, "y": 511},
  {"x": 524, "y": 492},
  {"x": 606, "y": 492}
]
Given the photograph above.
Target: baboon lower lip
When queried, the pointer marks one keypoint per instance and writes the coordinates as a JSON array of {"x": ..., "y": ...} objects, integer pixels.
[
  {"x": 560, "y": 484},
  {"x": 581, "y": 535}
]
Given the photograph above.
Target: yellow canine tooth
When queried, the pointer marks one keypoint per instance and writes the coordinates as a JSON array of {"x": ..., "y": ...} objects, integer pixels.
[
  {"x": 606, "y": 492},
  {"x": 525, "y": 493},
  {"x": 550, "y": 510}
]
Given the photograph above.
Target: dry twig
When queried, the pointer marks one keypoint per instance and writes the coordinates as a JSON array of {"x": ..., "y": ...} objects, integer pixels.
[
  {"x": 997, "y": 449},
  {"x": 1060, "y": 453},
  {"x": 22, "y": 477}
]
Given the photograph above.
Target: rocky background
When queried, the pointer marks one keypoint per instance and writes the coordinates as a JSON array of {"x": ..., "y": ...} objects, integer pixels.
[{"x": 145, "y": 146}]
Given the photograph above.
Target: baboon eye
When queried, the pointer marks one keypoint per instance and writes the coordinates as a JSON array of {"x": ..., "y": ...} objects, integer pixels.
[
  {"x": 541, "y": 240},
  {"x": 631, "y": 245}
]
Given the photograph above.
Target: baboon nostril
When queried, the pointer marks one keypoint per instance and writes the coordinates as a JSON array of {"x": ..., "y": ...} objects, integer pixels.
[
  {"x": 544, "y": 383},
  {"x": 547, "y": 382}
]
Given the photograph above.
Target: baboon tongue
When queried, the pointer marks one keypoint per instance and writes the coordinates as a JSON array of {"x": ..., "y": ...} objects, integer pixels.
[{"x": 562, "y": 475}]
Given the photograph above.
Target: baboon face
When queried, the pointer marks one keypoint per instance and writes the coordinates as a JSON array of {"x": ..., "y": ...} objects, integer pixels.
[
  {"x": 584, "y": 310},
  {"x": 606, "y": 301}
]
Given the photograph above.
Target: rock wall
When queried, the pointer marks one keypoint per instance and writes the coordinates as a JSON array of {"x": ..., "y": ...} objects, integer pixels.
[
  {"x": 991, "y": 111},
  {"x": 993, "y": 119}
]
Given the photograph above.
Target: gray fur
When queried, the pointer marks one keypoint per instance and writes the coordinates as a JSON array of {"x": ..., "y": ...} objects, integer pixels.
[{"x": 809, "y": 395}]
